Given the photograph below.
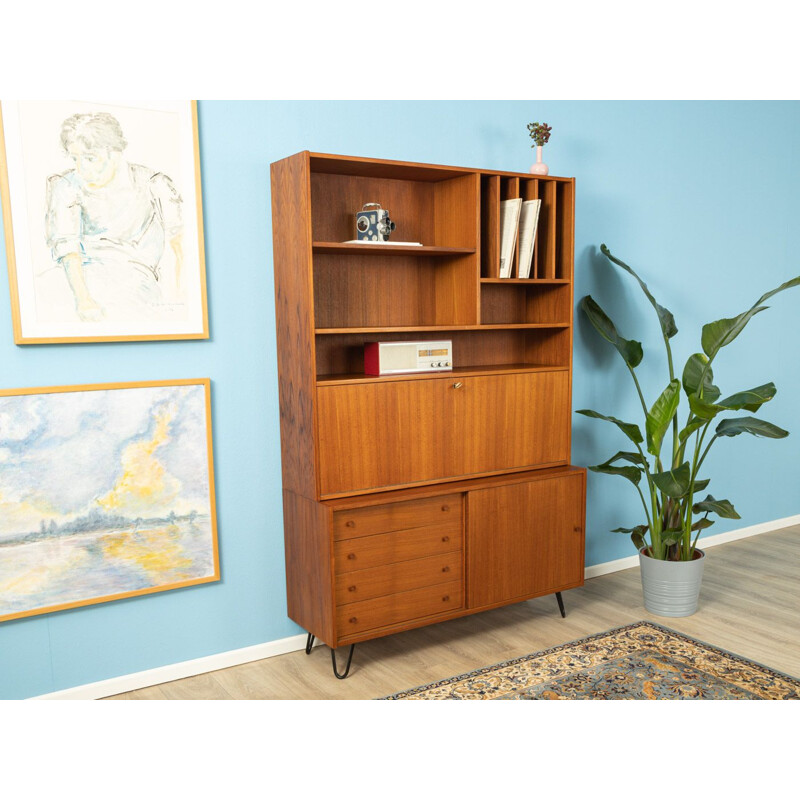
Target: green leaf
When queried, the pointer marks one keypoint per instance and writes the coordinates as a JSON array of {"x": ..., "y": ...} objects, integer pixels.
[
  {"x": 788, "y": 285},
  {"x": 697, "y": 373},
  {"x": 671, "y": 537},
  {"x": 723, "y": 508},
  {"x": 751, "y": 425},
  {"x": 665, "y": 318},
  {"x": 630, "y": 429},
  {"x": 700, "y": 485},
  {"x": 722, "y": 332},
  {"x": 703, "y": 523},
  {"x": 751, "y": 399},
  {"x": 695, "y": 423},
  {"x": 660, "y": 416},
  {"x": 629, "y": 349},
  {"x": 703, "y": 409},
  {"x": 635, "y": 529},
  {"x": 674, "y": 482},
  {"x": 638, "y": 539},
  {"x": 633, "y": 474}
]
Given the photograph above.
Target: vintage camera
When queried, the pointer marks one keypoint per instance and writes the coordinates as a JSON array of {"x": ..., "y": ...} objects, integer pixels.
[{"x": 373, "y": 223}]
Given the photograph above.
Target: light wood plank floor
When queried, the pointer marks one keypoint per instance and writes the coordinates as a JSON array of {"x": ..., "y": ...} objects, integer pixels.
[{"x": 750, "y": 605}]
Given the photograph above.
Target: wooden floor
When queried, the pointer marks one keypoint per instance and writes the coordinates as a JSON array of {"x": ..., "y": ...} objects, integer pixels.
[{"x": 749, "y": 604}]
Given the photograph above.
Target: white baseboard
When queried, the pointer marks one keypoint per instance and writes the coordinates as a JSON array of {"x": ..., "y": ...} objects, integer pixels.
[
  {"x": 232, "y": 658},
  {"x": 184, "y": 669}
]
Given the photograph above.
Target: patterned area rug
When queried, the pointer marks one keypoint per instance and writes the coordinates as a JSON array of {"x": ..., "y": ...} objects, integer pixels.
[{"x": 643, "y": 661}]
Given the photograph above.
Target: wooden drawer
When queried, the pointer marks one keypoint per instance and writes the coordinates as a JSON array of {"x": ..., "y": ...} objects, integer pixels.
[
  {"x": 395, "y": 608},
  {"x": 365, "y": 584},
  {"x": 390, "y": 548},
  {"x": 396, "y": 516}
]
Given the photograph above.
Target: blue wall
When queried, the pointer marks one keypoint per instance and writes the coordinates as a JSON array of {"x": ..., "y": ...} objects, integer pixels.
[{"x": 674, "y": 188}]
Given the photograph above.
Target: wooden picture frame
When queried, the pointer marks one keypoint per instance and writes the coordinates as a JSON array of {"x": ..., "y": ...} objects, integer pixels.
[
  {"x": 103, "y": 220},
  {"x": 106, "y": 492}
]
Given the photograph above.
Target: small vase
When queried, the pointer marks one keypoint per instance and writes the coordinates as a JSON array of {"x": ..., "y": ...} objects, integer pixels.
[{"x": 539, "y": 168}]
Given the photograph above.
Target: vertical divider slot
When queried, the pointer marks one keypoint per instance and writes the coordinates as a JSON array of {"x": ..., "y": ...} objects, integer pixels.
[{"x": 490, "y": 226}]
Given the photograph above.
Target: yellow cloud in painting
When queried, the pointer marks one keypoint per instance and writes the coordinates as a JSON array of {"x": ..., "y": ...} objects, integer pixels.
[{"x": 145, "y": 487}]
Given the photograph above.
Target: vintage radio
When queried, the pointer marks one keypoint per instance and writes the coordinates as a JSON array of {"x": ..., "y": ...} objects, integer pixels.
[{"x": 392, "y": 358}]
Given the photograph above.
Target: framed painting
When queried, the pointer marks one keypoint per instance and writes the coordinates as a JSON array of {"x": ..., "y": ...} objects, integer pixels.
[
  {"x": 103, "y": 220},
  {"x": 106, "y": 491}
]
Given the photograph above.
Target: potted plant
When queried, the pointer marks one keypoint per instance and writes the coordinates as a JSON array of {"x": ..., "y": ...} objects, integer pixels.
[
  {"x": 669, "y": 481},
  {"x": 540, "y": 133}
]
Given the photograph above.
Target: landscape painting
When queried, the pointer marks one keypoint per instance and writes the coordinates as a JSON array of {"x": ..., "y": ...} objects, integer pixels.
[
  {"x": 103, "y": 220},
  {"x": 106, "y": 492}
]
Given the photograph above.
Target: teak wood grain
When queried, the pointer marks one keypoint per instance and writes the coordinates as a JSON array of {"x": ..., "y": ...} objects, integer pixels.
[
  {"x": 525, "y": 539},
  {"x": 295, "y": 322},
  {"x": 367, "y": 584},
  {"x": 393, "y": 486},
  {"x": 383, "y": 435}
]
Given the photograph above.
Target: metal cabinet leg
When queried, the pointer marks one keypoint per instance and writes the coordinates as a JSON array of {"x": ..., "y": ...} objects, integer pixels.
[
  {"x": 561, "y": 604},
  {"x": 347, "y": 668},
  {"x": 309, "y": 643}
]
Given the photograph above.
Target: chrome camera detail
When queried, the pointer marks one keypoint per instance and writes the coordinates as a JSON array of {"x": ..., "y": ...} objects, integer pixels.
[{"x": 373, "y": 223}]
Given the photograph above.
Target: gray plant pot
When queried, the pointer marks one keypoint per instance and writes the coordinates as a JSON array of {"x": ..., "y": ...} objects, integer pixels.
[{"x": 671, "y": 588}]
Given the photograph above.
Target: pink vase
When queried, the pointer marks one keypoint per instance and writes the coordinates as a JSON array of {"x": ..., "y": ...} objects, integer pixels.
[{"x": 539, "y": 168}]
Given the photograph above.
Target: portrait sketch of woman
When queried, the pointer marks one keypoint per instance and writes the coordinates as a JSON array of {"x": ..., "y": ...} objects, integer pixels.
[{"x": 107, "y": 230}]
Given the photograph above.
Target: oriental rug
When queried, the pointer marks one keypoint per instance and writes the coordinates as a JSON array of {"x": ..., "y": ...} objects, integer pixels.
[{"x": 642, "y": 661}]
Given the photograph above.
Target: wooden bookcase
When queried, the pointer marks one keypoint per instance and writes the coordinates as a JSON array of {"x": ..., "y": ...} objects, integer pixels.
[{"x": 411, "y": 499}]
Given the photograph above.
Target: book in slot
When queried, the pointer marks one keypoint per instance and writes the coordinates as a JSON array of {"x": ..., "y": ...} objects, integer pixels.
[
  {"x": 509, "y": 222},
  {"x": 529, "y": 216}
]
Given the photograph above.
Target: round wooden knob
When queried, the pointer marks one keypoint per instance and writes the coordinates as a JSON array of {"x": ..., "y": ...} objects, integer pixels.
[
  {"x": 353, "y": 620},
  {"x": 351, "y": 588},
  {"x": 445, "y": 508},
  {"x": 445, "y": 538},
  {"x": 350, "y": 523},
  {"x": 445, "y": 569},
  {"x": 577, "y": 529},
  {"x": 457, "y": 385},
  {"x": 445, "y": 598},
  {"x": 351, "y": 556}
]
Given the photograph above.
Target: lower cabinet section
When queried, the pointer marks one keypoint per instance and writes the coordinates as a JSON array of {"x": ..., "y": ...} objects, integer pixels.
[{"x": 412, "y": 557}]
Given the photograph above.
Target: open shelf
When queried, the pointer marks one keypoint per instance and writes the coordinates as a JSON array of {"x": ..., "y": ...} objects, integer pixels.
[
  {"x": 434, "y": 328},
  {"x": 527, "y": 281},
  {"x": 372, "y": 250}
]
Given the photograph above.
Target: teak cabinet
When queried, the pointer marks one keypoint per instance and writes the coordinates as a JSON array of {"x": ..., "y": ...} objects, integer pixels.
[{"x": 415, "y": 498}]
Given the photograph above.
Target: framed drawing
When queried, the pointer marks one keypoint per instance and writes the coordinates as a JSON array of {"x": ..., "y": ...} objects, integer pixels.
[
  {"x": 102, "y": 211},
  {"x": 106, "y": 491}
]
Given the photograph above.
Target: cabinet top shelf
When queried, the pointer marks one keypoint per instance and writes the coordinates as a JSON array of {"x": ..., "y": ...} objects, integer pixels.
[
  {"x": 406, "y": 170},
  {"x": 334, "y": 248}
]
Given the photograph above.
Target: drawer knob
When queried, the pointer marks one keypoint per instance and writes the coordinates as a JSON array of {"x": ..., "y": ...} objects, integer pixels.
[
  {"x": 350, "y": 523},
  {"x": 577, "y": 529},
  {"x": 445, "y": 569},
  {"x": 445, "y": 538},
  {"x": 457, "y": 385},
  {"x": 353, "y": 620},
  {"x": 445, "y": 508},
  {"x": 351, "y": 556},
  {"x": 445, "y": 598},
  {"x": 351, "y": 588}
]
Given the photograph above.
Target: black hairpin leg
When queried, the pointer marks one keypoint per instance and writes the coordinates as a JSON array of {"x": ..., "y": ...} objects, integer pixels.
[
  {"x": 560, "y": 604},
  {"x": 309, "y": 643},
  {"x": 349, "y": 659}
]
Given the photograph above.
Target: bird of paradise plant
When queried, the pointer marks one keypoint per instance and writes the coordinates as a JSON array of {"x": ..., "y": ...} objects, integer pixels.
[{"x": 672, "y": 479}]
